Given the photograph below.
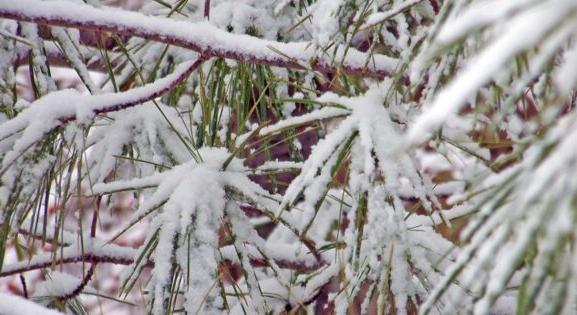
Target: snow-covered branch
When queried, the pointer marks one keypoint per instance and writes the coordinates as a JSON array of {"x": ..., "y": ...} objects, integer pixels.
[
  {"x": 201, "y": 37},
  {"x": 63, "y": 106}
]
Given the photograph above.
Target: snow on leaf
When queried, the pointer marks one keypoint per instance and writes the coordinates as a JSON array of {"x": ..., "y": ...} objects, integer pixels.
[
  {"x": 489, "y": 63},
  {"x": 186, "y": 209}
]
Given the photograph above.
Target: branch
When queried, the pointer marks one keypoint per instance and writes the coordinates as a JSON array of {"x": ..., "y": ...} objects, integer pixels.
[
  {"x": 47, "y": 260},
  {"x": 201, "y": 37},
  {"x": 95, "y": 252},
  {"x": 83, "y": 283},
  {"x": 60, "y": 107},
  {"x": 285, "y": 256},
  {"x": 36, "y": 263},
  {"x": 380, "y": 17}
]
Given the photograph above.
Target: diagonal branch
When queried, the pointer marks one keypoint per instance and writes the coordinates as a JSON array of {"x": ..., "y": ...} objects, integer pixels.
[
  {"x": 63, "y": 106},
  {"x": 201, "y": 37}
]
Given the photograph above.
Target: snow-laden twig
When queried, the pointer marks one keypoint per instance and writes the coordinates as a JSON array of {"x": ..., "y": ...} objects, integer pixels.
[
  {"x": 190, "y": 203},
  {"x": 380, "y": 17}
]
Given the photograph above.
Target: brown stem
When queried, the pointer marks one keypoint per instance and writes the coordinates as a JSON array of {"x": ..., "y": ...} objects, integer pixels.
[
  {"x": 41, "y": 237},
  {"x": 293, "y": 265},
  {"x": 90, "y": 272},
  {"x": 145, "y": 98},
  {"x": 81, "y": 286}
]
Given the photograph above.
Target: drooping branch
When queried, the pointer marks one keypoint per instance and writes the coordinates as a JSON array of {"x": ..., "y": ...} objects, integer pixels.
[
  {"x": 201, "y": 37},
  {"x": 66, "y": 105}
]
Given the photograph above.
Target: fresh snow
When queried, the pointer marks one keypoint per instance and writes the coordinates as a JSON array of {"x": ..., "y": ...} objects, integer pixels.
[{"x": 16, "y": 305}]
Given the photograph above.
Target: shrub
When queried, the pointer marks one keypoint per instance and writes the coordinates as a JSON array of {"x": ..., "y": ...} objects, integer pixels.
[{"x": 258, "y": 157}]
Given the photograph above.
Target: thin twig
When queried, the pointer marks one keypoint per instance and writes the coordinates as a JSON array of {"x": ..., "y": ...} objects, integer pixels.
[
  {"x": 207, "y": 9},
  {"x": 24, "y": 287}
]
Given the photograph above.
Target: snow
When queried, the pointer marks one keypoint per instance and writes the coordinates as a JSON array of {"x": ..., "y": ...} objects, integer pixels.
[
  {"x": 44, "y": 81},
  {"x": 16, "y": 305},
  {"x": 275, "y": 166},
  {"x": 320, "y": 155},
  {"x": 487, "y": 64},
  {"x": 194, "y": 205},
  {"x": 478, "y": 15},
  {"x": 324, "y": 20},
  {"x": 68, "y": 46},
  {"x": 58, "y": 284},
  {"x": 149, "y": 128},
  {"x": 194, "y": 200},
  {"x": 323, "y": 113},
  {"x": 565, "y": 78}
]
